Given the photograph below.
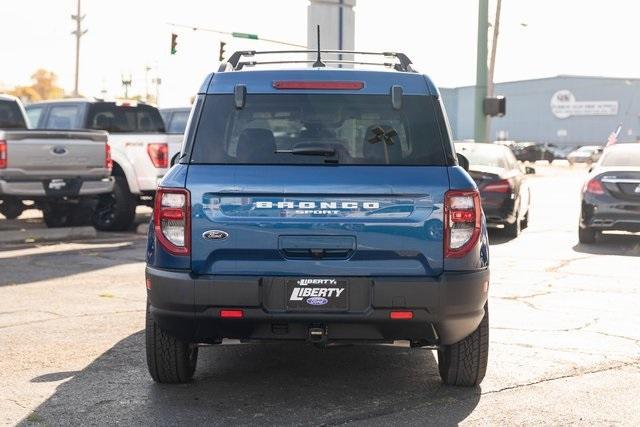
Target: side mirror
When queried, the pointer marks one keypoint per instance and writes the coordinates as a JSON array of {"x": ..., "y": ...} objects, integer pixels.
[
  {"x": 174, "y": 159},
  {"x": 529, "y": 170},
  {"x": 463, "y": 162}
]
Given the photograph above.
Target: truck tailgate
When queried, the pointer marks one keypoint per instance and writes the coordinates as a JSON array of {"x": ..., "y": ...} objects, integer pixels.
[{"x": 56, "y": 154}]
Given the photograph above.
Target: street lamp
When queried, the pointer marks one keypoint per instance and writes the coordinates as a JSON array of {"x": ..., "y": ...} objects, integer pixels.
[{"x": 125, "y": 78}]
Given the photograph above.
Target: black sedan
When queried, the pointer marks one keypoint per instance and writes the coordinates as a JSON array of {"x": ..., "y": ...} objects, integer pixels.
[
  {"x": 611, "y": 194},
  {"x": 503, "y": 186}
]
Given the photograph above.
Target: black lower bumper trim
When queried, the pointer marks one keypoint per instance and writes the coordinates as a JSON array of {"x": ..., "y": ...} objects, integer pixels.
[{"x": 445, "y": 309}]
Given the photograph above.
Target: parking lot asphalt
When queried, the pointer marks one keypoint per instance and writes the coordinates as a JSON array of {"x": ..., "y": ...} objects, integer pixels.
[{"x": 565, "y": 342}]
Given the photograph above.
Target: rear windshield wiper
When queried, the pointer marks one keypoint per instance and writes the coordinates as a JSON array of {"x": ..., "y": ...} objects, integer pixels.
[{"x": 311, "y": 150}]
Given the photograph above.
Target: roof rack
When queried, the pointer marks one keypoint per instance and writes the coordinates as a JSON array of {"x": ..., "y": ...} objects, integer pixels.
[{"x": 234, "y": 63}]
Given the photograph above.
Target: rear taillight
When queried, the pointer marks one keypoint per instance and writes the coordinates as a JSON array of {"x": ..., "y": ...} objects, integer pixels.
[
  {"x": 594, "y": 186},
  {"x": 462, "y": 220},
  {"x": 159, "y": 154},
  {"x": 3, "y": 154},
  {"x": 172, "y": 221},
  {"x": 500, "y": 186},
  {"x": 108, "y": 161}
]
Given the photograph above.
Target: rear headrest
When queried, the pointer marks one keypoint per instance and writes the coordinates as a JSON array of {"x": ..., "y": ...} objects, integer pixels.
[{"x": 256, "y": 145}]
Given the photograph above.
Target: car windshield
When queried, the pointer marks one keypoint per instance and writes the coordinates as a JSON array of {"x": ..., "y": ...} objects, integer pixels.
[
  {"x": 10, "y": 116},
  {"x": 125, "y": 119},
  {"x": 483, "y": 155},
  {"x": 319, "y": 129},
  {"x": 622, "y": 155}
]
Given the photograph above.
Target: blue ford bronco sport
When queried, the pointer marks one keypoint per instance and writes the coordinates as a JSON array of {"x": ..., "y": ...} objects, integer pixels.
[{"x": 318, "y": 204}]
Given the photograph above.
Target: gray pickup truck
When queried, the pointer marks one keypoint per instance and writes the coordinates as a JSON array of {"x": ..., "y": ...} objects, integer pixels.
[{"x": 61, "y": 171}]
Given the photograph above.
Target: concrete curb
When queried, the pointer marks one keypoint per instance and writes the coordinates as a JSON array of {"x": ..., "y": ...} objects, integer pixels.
[{"x": 47, "y": 234}]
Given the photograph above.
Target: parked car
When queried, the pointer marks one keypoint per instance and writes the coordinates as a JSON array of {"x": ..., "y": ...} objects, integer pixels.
[
  {"x": 531, "y": 152},
  {"x": 62, "y": 171},
  {"x": 139, "y": 145},
  {"x": 587, "y": 154},
  {"x": 504, "y": 189},
  {"x": 611, "y": 194},
  {"x": 560, "y": 152},
  {"x": 320, "y": 205},
  {"x": 175, "y": 122}
]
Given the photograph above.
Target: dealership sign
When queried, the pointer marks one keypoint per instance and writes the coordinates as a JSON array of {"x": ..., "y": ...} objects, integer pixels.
[{"x": 564, "y": 105}]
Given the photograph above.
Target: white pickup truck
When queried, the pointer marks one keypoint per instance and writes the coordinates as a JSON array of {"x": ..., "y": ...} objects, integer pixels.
[
  {"x": 62, "y": 171},
  {"x": 139, "y": 147}
]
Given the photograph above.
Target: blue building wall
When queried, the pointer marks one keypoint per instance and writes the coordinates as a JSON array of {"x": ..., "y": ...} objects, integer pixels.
[{"x": 530, "y": 116}]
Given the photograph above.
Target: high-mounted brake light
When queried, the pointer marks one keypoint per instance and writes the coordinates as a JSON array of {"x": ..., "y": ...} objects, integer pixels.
[
  {"x": 501, "y": 186},
  {"x": 462, "y": 220},
  {"x": 172, "y": 220},
  {"x": 594, "y": 186},
  {"x": 316, "y": 85},
  {"x": 159, "y": 154},
  {"x": 108, "y": 161},
  {"x": 3, "y": 154}
]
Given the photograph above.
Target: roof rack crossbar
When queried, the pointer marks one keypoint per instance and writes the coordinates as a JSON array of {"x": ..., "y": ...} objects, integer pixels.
[
  {"x": 243, "y": 64},
  {"x": 403, "y": 65}
]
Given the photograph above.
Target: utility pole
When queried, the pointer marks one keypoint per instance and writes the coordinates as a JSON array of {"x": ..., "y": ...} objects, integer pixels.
[
  {"x": 480, "y": 121},
  {"x": 147, "y": 68},
  {"x": 79, "y": 32},
  {"x": 492, "y": 63}
]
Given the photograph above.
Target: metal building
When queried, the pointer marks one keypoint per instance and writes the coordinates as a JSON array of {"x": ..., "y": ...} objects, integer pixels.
[{"x": 562, "y": 110}]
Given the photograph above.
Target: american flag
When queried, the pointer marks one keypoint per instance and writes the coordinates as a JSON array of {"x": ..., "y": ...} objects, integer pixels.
[{"x": 613, "y": 136}]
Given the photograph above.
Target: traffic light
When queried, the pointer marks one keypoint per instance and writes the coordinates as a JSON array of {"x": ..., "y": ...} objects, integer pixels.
[
  {"x": 221, "y": 55},
  {"x": 174, "y": 43}
]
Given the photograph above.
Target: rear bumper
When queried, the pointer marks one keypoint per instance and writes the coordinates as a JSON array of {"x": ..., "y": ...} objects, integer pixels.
[
  {"x": 445, "y": 309},
  {"x": 26, "y": 189},
  {"x": 614, "y": 216}
]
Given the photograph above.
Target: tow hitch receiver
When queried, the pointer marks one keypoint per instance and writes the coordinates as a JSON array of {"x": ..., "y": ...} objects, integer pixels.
[{"x": 318, "y": 334}]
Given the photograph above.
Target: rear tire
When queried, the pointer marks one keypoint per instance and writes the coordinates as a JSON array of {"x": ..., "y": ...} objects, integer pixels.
[
  {"x": 513, "y": 230},
  {"x": 525, "y": 221},
  {"x": 116, "y": 211},
  {"x": 170, "y": 360},
  {"x": 57, "y": 215},
  {"x": 465, "y": 363},
  {"x": 586, "y": 235},
  {"x": 11, "y": 207}
]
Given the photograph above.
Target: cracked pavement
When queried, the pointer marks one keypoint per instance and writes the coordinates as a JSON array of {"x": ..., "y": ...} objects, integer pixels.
[{"x": 565, "y": 342}]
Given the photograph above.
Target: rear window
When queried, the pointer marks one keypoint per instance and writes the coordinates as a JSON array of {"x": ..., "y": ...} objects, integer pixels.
[
  {"x": 178, "y": 122},
  {"x": 622, "y": 155},
  {"x": 485, "y": 155},
  {"x": 125, "y": 119},
  {"x": 10, "y": 116},
  {"x": 319, "y": 129}
]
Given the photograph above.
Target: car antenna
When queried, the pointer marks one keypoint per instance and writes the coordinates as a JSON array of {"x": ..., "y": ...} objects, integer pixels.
[{"x": 318, "y": 62}]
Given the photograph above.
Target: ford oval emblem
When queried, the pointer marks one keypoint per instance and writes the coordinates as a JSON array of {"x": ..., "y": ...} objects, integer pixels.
[
  {"x": 317, "y": 301},
  {"x": 215, "y": 235},
  {"x": 59, "y": 150}
]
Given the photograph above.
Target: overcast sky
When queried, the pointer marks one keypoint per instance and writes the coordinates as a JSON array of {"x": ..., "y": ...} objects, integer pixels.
[{"x": 587, "y": 37}]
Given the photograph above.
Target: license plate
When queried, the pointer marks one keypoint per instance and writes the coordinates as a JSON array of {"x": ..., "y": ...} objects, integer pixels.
[
  {"x": 57, "y": 184},
  {"x": 317, "y": 294}
]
